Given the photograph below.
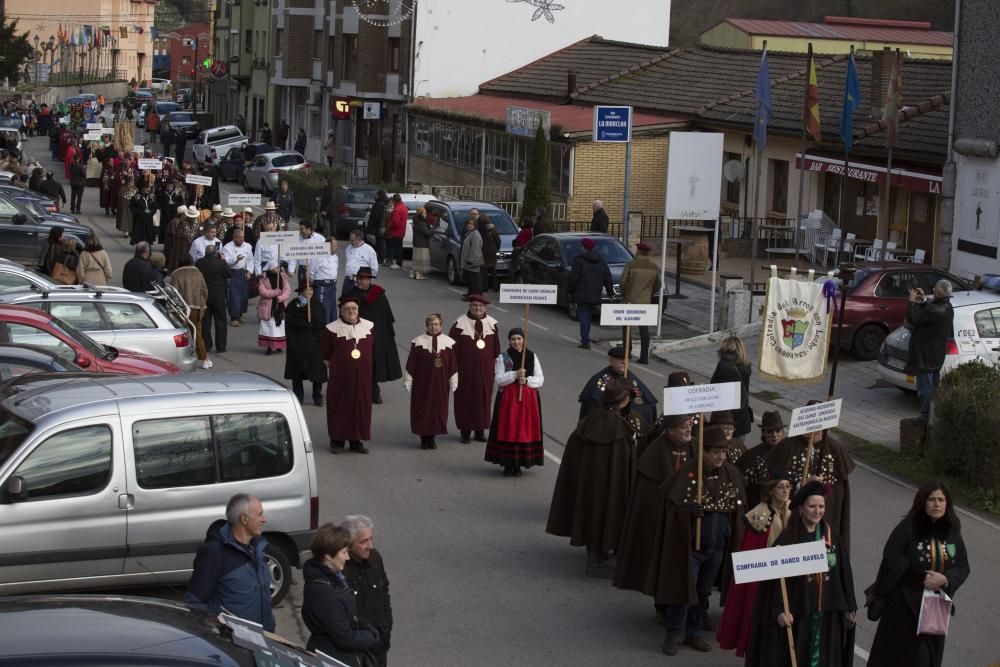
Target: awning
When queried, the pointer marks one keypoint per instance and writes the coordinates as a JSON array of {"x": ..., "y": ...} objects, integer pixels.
[{"x": 912, "y": 179}]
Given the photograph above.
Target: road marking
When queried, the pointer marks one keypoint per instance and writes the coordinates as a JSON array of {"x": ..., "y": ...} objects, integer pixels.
[
  {"x": 552, "y": 457},
  {"x": 502, "y": 310},
  {"x": 564, "y": 336},
  {"x": 861, "y": 653},
  {"x": 456, "y": 290},
  {"x": 538, "y": 326}
]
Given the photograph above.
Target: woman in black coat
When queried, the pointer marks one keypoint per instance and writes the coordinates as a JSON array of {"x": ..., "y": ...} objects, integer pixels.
[
  {"x": 925, "y": 552},
  {"x": 303, "y": 335},
  {"x": 734, "y": 366},
  {"x": 328, "y": 606}
]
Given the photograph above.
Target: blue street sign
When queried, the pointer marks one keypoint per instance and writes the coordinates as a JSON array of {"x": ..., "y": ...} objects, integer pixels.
[{"x": 613, "y": 124}]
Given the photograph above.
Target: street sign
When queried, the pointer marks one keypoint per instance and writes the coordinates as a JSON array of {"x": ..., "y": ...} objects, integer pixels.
[
  {"x": 279, "y": 238},
  {"x": 696, "y": 398},
  {"x": 693, "y": 184},
  {"x": 817, "y": 417},
  {"x": 244, "y": 199},
  {"x": 629, "y": 315},
  {"x": 793, "y": 560},
  {"x": 524, "y": 122},
  {"x": 612, "y": 125},
  {"x": 194, "y": 179},
  {"x": 372, "y": 111},
  {"x": 152, "y": 164},
  {"x": 219, "y": 69},
  {"x": 304, "y": 250},
  {"x": 529, "y": 294}
]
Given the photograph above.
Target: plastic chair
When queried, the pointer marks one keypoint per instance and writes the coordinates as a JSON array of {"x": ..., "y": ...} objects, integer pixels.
[
  {"x": 830, "y": 243},
  {"x": 847, "y": 247},
  {"x": 887, "y": 254},
  {"x": 871, "y": 253},
  {"x": 918, "y": 256}
]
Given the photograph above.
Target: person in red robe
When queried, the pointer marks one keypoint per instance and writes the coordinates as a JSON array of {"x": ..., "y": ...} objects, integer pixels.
[
  {"x": 431, "y": 373},
  {"x": 347, "y": 346},
  {"x": 69, "y": 157},
  {"x": 477, "y": 347},
  {"x": 516, "y": 431},
  {"x": 763, "y": 524},
  {"x": 63, "y": 143}
]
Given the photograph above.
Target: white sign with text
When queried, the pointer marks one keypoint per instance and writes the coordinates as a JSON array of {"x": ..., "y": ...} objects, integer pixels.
[
  {"x": 139, "y": 150},
  {"x": 693, "y": 183},
  {"x": 150, "y": 164},
  {"x": 630, "y": 315},
  {"x": 817, "y": 417},
  {"x": 95, "y": 126},
  {"x": 304, "y": 250},
  {"x": 702, "y": 398},
  {"x": 244, "y": 199},
  {"x": 529, "y": 294},
  {"x": 92, "y": 136},
  {"x": 194, "y": 179},
  {"x": 793, "y": 560},
  {"x": 279, "y": 238}
]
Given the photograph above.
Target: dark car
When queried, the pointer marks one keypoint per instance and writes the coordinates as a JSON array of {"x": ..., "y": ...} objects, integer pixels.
[
  {"x": 876, "y": 301},
  {"x": 448, "y": 221},
  {"x": 547, "y": 259},
  {"x": 40, "y": 211},
  {"x": 18, "y": 360},
  {"x": 352, "y": 204},
  {"x": 183, "y": 97},
  {"x": 101, "y": 630},
  {"x": 184, "y": 121},
  {"x": 23, "y": 236},
  {"x": 19, "y": 193},
  {"x": 232, "y": 163}
]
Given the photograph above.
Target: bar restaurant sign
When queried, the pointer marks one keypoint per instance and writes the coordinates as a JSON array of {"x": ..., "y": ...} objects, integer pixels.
[
  {"x": 911, "y": 179},
  {"x": 524, "y": 122}
]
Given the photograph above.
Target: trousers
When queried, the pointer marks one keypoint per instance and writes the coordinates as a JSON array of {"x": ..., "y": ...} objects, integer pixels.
[
  {"x": 327, "y": 292},
  {"x": 75, "y": 198},
  {"x": 215, "y": 313},
  {"x": 927, "y": 382},
  {"x": 680, "y": 618},
  {"x": 239, "y": 293},
  {"x": 643, "y": 338}
]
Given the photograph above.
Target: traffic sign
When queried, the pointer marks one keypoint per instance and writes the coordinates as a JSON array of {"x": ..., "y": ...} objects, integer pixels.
[
  {"x": 219, "y": 69},
  {"x": 612, "y": 125}
]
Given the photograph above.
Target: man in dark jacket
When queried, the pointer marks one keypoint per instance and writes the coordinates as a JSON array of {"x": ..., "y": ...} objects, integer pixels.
[
  {"x": 590, "y": 273},
  {"x": 366, "y": 575},
  {"x": 53, "y": 189},
  {"x": 373, "y": 305},
  {"x": 599, "y": 223},
  {"x": 283, "y": 129},
  {"x": 216, "y": 273},
  {"x": 377, "y": 221},
  {"x": 77, "y": 182},
  {"x": 139, "y": 274},
  {"x": 932, "y": 324},
  {"x": 230, "y": 573}
]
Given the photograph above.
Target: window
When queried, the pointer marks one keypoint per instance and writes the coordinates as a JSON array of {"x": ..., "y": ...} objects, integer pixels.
[
  {"x": 988, "y": 323},
  {"x": 317, "y": 44},
  {"x": 10, "y": 282},
  {"x": 71, "y": 463},
  {"x": 248, "y": 41},
  {"x": 124, "y": 316},
  {"x": 394, "y": 54},
  {"x": 896, "y": 284},
  {"x": 23, "y": 334},
  {"x": 349, "y": 65},
  {"x": 732, "y": 194},
  {"x": 779, "y": 186},
  {"x": 278, "y": 36},
  {"x": 252, "y": 446},
  {"x": 331, "y": 52},
  {"x": 173, "y": 452},
  {"x": 83, "y": 316}
]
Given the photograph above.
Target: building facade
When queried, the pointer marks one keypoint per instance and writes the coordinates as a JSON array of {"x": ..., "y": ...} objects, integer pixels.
[
  {"x": 178, "y": 55},
  {"x": 243, "y": 41}
]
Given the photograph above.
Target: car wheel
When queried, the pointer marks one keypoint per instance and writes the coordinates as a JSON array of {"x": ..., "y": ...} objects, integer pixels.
[
  {"x": 453, "y": 275},
  {"x": 574, "y": 311},
  {"x": 281, "y": 572},
  {"x": 243, "y": 182},
  {"x": 867, "y": 341}
]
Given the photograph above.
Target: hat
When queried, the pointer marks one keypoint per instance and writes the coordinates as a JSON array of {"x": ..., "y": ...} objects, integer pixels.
[
  {"x": 191, "y": 212},
  {"x": 216, "y": 208},
  {"x": 228, "y": 213},
  {"x": 772, "y": 420},
  {"x": 270, "y": 206},
  {"x": 643, "y": 247},
  {"x": 349, "y": 298},
  {"x": 779, "y": 474},
  {"x": 364, "y": 272},
  {"x": 722, "y": 417},
  {"x": 182, "y": 209},
  {"x": 679, "y": 379},
  {"x": 587, "y": 243},
  {"x": 478, "y": 298},
  {"x": 617, "y": 352},
  {"x": 714, "y": 438},
  {"x": 669, "y": 421},
  {"x": 515, "y": 331},
  {"x": 614, "y": 392},
  {"x": 808, "y": 489},
  {"x": 248, "y": 209}
]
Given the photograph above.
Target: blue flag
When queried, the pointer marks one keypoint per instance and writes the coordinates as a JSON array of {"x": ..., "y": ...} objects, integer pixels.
[
  {"x": 764, "y": 113},
  {"x": 852, "y": 97}
]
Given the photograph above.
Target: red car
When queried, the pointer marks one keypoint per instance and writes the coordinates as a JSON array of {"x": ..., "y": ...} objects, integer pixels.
[
  {"x": 876, "y": 301},
  {"x": 29, "y": 326}
]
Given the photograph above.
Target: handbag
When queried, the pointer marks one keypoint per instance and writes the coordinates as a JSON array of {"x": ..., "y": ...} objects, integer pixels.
[
  {"x": 935, "y": 614},
  {"x": 62, "y": 274}
]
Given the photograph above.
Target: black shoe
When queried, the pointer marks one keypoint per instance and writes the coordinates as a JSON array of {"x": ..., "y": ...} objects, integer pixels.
[
  {"x": 277, "y": 350},
  {"x": 358, "y": 448},
  {"x": 644, "y": 361},
  {"x": 336, "y": 446},
  {"x": 267, "y": 352},
  {"x": 433, "y": 444},
  {"x": 507, "y": 472},
  {"x": 221, "y": 351},
  {"x": 584, "y": 346},
  {"x": 317, "y": 400},
  {"x": 376, "y": 394},
  {"x": 517, "y": 471},
  {"x": 424, "y": 445},
  {"x": 480, "y": 436},
  {"x": 465, "y": 439},
  {"x": 377, "y": 400}
]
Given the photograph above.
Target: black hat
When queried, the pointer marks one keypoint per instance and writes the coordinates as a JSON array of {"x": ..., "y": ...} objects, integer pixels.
[
  {"x": 349, "y": 298},
  {"x": 614, "y": 392},
  {"x": 722, "y": 417},
  {"x": 679, "y": 379},
  {"x": 714, "y": 438},
  {"x": 675, "y": 420},
  {"x": 772, "y": 420},
  {"x": 364, "y": 271},
  {"x": 779, "y": 474},
  {"x": 808, "y": 489},
  {"x": 617, "y": 352},
  {"x": 516, "y": 331}
]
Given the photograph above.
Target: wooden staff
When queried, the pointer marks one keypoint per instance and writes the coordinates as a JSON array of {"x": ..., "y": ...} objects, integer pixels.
[
  {"x": 701, "y": 454},
  {"x": 524, "y": 348},
  {"x": 788, "y": 615},
  {"x": 628, "y": 348},
  {"x": 309, "y": 311},
  {"x": 809, "y": 456}
]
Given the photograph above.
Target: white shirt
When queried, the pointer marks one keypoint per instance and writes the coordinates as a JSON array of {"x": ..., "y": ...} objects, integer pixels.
[
  {"x": 198, "y": 247},
  {"x": 324, "y": 268},
  {"x": 355, "y": 258},
  {"x": 231, "y": 251},
  {"x": 312, "y": 239},
  {"x": 265, "y": 258}
]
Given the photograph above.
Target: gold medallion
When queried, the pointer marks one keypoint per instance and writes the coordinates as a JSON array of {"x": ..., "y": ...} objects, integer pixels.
[
  {"x": 438, "y": 362},
  {"x": 481, "y": 344},
  {"x": 355, "y": 353},
  {"x": 638, "y": 400}
]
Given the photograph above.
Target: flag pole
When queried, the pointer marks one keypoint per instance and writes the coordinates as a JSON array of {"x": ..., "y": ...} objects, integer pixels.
[
  {"x": 756, "y": 189},
  {"x": 890, "y": 114},
  {"x": 802, "y": 161}
]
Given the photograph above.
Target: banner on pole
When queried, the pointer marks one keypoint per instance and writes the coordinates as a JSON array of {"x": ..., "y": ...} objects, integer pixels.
[
  {"x": 283, "y": 239},
  {"x": 812, "y": 418},
  {"x": 793, "y": 560},
  {"x": 630, "y": 315},
  {"x": 244, "y": 199},
  {"x": 151, "y": 164},
  {"x": 694, "y": 185},
  {"x": 304, "y": 250},
  {"x": 795, "y": 338},
  {"x": 702, "y": 398},
  {"x": 530, "y": 294},
  {"x": 193, "y": 179}
]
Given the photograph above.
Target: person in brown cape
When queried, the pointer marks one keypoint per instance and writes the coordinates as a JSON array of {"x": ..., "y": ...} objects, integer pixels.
[
  {"x": 675, "y": 379},
  {"x": 477, "y": 347},
  {"x": 595, "y": 479},
  {"x": 754, "y": 464},
  {"x": 681, "y": 576},
  {"x": 727, "y": 421},
  {"x": 659, "y": 460},
  {"x": 431, "y": 374},
  {"x": 347, "y": 345}
]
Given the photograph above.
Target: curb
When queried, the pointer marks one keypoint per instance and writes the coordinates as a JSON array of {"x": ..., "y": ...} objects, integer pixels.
[{"x": 662, "y": 349}]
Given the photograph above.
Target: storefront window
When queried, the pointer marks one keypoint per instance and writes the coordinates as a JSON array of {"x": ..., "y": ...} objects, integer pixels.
[{"x": 779, "y": 186}]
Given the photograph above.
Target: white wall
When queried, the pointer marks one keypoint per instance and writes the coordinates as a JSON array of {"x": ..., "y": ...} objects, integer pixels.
[
  {"x": 463, "y": 43},
  {"x": 977, "y": 188}
]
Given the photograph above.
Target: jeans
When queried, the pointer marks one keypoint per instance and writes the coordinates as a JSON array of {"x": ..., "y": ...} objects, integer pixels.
[
  {"x": 327, "y": 292},
  {"x": 348, "y": 286},
  {"x": 927, "y": 382},
  {"x": 75, "y": 198},
  {"x": 215, "y": 313},
  {"x": 239, "y": 294},
  {"x": 54, "y": 147},
  {"x": 488, "y": 275},
  {"x": 680, "y": 619},
  {"x": 394, "y": 251},
  {"x": 643, "y": 338},
  {"x": 475, "y": 282},
  {"x": 585, "y": 316}
]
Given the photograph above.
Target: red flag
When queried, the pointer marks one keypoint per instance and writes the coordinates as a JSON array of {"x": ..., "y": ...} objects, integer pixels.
[
  {"x": 810, "y": 113},
  {"x": 893, "y": 102}
]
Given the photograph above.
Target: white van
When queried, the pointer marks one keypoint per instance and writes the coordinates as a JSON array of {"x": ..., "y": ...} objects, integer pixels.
[
  {"x": 214, "y": 144},
  {"x": 110, "y": 481}
]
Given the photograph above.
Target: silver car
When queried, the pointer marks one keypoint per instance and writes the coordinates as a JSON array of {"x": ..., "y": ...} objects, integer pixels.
[
  {"x": 126, "y": 320},
  {"x": 262, "y": 174},
  {"x": 15, "y": 277}
]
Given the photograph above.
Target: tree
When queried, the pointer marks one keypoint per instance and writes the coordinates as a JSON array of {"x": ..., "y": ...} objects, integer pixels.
[
  {"x": 536, "y": 186},
  {"x": 14, "y": 50}
]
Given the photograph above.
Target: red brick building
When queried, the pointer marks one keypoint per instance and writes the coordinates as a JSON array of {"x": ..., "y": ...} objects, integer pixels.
[{"x": 185, "y": 48}]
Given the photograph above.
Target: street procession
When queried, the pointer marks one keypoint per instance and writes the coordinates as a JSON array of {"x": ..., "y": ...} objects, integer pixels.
[{"x": 642, "y": 342}]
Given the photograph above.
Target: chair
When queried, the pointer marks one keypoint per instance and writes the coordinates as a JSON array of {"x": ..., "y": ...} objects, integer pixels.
[
  {"x": 918, "y": 256},
  {"x": 887, "y": 254},
  {"x": 826, "y": 244},
  {"x": 847, "y": 247},
  {"x": 871, "y": 253}
]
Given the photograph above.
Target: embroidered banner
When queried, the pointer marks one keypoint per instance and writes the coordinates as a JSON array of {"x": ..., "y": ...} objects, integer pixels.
[{"x": 796, "y": 333}]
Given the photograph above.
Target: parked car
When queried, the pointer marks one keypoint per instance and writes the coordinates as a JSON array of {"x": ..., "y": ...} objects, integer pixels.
[
  {"x": 876, "y": 301},
  {"x": 12, "y": 138},
  {"x": 16, "y": 192},
  {"x": 126, "y": 320},
  {"x": 23, "y": 237},
  {"x": 976, "y": 335},
  {"x": 183, "y": 97},
  {"x": 413, "y": 202},
  {"x": 232, "y": 163},
  {"x": 16, "y": 277},
  {"x": 159, "y": 85},
  {"x": 184, "y": 120},
  {"x": 172, "y": 450},
  {"x": 547, "y": 259},
  {"x": 29, "y": 326},
  {"x": 37, "y": 208},
  {"x": 18, "y": 360},
  {"x": 213, "y": 143},
  {"x": 262, "y": 173},
  {"x": 352, "y": 203},
  {"x": 448, "y": 220}
]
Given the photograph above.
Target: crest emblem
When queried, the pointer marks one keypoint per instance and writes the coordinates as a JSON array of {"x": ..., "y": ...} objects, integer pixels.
[{"x": 794, "y": 329}]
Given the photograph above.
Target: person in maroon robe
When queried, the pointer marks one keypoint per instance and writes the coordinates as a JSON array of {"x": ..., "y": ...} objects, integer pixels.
[
  {"x": 431, "y": 372},
  {"x": 347, "y": 346},
  {"x": 477, "y": 347}
]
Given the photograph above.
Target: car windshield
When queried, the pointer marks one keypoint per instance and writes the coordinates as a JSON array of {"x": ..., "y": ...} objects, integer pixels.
[
  {"x": 21, "y": 208},
  {"x": 177, "y": 117},
  {"x": 360, "y": 197},
  {"x": 13, "y": 430},
  {"x": 32, "y": 205},
  {"x": 498, "y": 217},
  {"x": 83, "y": 339},
  {"x": 287, "y": 160},
  {"x": 610, "y": 250}
]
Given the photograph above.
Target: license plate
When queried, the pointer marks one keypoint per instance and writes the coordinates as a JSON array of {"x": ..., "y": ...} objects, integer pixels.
[{"x": 898, "y": 364}]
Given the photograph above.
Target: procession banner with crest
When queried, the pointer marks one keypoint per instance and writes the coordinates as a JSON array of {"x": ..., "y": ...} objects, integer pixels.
[{"x": 796, "y": 330}]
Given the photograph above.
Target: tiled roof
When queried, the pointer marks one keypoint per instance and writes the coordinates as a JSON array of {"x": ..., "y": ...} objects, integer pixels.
[
  {"x": 592, "y": 59},
  {"x": 894, "y": 32}
]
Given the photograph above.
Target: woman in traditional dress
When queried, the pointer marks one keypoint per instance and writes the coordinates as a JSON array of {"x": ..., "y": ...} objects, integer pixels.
[
  {"x": 108, "y": 202},
  {"x": 516, "y": 430},
  {"x": 275, "y": 292},
  {"x": 126, "y": 191},
  {"x": 763, "y": 524},
  {"x": 304, "y": 324},
  {"x": 431, "y": 375},
  {"x": 822, "y": 606},
  {"x": 925, "y": 552}
]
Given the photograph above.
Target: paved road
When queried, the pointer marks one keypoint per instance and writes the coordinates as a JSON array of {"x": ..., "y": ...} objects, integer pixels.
[{"x": 475, "y": 579}]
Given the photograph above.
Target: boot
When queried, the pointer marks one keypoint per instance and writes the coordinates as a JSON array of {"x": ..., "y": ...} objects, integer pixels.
[
  {"x": 480, "y": 436},
  {"x": 433, "y": 444},
  {"x": 358, "y": 447},
  {"x": 465, "y": 439},
  {"x": 376, "y": 394},
  {"x": 336, "y": 446},
  {"x": 425, "y": 442}
]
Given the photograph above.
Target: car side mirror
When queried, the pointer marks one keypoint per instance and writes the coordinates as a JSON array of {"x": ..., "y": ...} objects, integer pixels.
[
  {"x": 15, "y": 489},
  {"x": 19, "y": 219}
]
